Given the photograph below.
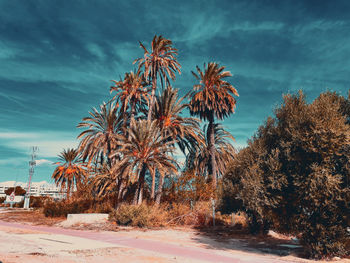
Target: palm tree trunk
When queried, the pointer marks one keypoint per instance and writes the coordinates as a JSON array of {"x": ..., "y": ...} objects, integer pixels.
[
  {"x": 136, "y": 195},
  {"x": 109, "y": 149},
  {"x": 154, "y": 87},
  {"x": 211, "y": 146},
  {"x": 121, "y": 187},
  {"x": 153, "y": 174},
  {"x": 160, "y": 189},
  {"x": 139, "y": 190}
]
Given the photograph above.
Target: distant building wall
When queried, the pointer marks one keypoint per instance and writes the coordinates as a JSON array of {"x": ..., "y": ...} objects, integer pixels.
[{"x": 36, "y": 189}]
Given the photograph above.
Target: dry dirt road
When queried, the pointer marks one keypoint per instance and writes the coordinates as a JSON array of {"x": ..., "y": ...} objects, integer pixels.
[{"x": 29, "y": 243}]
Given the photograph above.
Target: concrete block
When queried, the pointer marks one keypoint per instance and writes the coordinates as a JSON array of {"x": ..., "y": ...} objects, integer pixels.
[{"x": 73, "y": 219}]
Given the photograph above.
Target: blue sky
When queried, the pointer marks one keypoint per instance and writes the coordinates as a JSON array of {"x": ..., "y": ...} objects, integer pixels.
[{"x": 57, "y": 59}]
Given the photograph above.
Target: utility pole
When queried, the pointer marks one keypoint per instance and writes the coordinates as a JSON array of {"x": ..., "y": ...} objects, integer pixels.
[{"x": 32, "y": 163}]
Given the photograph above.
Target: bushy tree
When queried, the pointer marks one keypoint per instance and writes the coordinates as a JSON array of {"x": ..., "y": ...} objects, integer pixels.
[
  {"x": 18, "y": 190},
  {"x": 294, "y": 173}
]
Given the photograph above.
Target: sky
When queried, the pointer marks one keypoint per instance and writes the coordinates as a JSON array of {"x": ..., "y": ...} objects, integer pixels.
[{"x": 57, "y": 60}]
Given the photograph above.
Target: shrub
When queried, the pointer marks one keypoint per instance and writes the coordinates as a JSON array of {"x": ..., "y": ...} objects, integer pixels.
[
  {"x": 76, "y": 206},
  {"x": 39, "y": 201},
  {"x": 166, "y": 215},
  {"x": 294, "y": 174},
  {"x": 132, "y": 215}
]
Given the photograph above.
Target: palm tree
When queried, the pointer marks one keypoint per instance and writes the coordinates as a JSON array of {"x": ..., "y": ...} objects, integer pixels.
[
  {"x": 70, "y": 171},
  {"x": 106, "y": 180},
  {"x": 131, "y": 91},
  {"x": 161, "y": 61},
  {"x": 181, "y": 130},
  {"x": 198, "y": 158},
  {"x": 145, "y": 150},
  {"x": 99, "y": 140},
  {"x": 212, "y": 97},
  {"x": 103, "y": 181},
  {"x": 167, "y": 112}
]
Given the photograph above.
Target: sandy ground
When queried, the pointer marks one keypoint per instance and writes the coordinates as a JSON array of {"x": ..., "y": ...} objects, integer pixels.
[
  {"x": 18, "y": 245},
  {"x": 25, "y": 245}
]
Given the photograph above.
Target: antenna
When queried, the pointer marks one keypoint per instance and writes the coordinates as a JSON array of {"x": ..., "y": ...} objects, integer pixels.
[{"x": 32, "y": 164}]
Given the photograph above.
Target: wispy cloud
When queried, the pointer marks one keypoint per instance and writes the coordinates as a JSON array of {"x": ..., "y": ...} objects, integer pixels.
[
  {"x": 57, "y": 60},
  {"x": 43, "y": 162}
]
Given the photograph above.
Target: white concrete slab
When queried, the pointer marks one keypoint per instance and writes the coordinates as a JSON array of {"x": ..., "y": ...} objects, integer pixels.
[{"x": 74, "y": 219}]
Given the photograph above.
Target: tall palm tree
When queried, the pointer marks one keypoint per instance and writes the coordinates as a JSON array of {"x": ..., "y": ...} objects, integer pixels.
[
  {"x": 145, "y": 150},
  {"x": 132, "y": 91},
  {"x": 198, "y": 158},
  {"x": 161, "y": 61},
  {"x": 99, "y": 139},
  {"x": 70, "y": 172},
  {"x": 181, "y": 130},
  {"x": 212, "y": 97}
]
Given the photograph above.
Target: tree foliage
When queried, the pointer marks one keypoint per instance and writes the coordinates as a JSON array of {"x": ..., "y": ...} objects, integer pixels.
[
  {"x": 294, "y": 173},
  {"x": 18, "y": 190},
  {"x": 212, "y": 98},
  {"x": 70, "y": 172}
]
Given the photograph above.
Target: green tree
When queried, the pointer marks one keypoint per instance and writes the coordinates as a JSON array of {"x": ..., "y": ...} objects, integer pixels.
[
  {"x": 131, "y": 92},
  {"x": 199, "y": 156},
  {"x": 145, "y": 150},
  {"x": 182, "y": 131},
  {"x": 294, "y": 173},
  {"x": 99, "y": 139},
  {"x": 160, "y": 62},
  {"x": 70, "y": 172},
  {"x": 212, "y": 98},
  {"x": 18, "y": 190}
]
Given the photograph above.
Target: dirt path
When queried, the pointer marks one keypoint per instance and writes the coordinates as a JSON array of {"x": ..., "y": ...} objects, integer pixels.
[
  {"x": 30, "y": 243},
  {"x": 48, "y": 243}
]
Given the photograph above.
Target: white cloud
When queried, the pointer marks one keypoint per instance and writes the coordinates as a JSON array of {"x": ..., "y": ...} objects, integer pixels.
[
  {"x": 17, "y": 135},
  {"x": 7, "y": 52},
  {"x": 50, "y": 144},
  {"x": 96, "y": 50},
  {"x": 42, "y": 161}
]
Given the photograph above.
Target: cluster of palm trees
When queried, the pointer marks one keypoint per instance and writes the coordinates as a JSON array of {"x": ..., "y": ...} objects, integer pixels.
[{"x": 130, "y": 143}]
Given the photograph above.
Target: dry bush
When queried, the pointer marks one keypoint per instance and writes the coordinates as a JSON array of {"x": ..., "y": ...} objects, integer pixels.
[
  {"x": 76, "y": 206},
  {"x": 200, "y": 215},
  {"x": 132, "y": 215}
]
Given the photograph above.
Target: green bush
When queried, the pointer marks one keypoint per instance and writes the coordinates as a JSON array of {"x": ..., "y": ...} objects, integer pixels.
[
  {"x": 294, "y": 175},
  {"x": 132, "y": 215},
  {"x": 39, "y": 201}
]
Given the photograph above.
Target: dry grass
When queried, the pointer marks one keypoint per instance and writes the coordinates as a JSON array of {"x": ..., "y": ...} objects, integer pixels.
[{"x": 35, "y": 217}]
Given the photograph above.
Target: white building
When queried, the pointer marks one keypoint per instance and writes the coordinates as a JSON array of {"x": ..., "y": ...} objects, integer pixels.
[{"x": 42, "y": 188}]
